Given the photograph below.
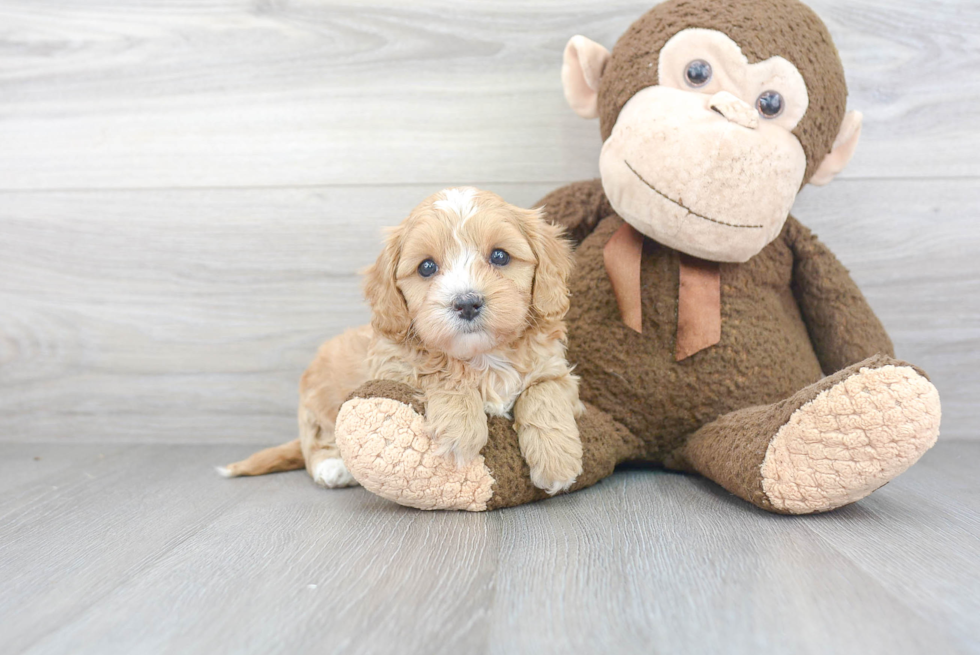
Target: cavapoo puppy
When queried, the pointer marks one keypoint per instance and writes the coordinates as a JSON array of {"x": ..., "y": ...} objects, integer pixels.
[{"x": 468, "y": 299}]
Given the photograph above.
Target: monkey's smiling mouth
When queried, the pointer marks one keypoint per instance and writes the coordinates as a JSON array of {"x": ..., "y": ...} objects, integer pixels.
[{"x": 687, "y": 209}]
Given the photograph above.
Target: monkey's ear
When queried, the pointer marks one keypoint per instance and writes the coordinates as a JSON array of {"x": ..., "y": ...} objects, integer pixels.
[
  {"x": 843, "y": 150},
  {"x": 581, "y": 70}
]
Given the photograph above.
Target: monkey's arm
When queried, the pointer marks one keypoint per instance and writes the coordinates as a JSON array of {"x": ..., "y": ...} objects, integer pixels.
[
  {"x": 843, "y": 328},
  {"x": 578, "y": 207}
]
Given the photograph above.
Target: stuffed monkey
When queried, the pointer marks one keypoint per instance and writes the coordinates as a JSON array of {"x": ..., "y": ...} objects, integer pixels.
[{"x": 713, "y": 333}]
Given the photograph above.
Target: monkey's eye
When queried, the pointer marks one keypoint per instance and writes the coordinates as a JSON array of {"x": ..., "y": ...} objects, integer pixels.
[
  {"x": 698, "y": 73},
  {"x": 428, "y": 268},
  {"x": 499, "y": 257},
  {"x": 770, "y": 104}
]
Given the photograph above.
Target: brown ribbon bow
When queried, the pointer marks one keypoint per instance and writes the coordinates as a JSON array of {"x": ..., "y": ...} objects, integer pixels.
[{"x": 698, "y": 300}]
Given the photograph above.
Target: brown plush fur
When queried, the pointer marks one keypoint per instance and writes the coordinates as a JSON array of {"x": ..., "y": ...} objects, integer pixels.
[
  {"x": 763, "y": 29},
  {"x": 765, "y": 354},
  {"x": 728, "y": 451}
]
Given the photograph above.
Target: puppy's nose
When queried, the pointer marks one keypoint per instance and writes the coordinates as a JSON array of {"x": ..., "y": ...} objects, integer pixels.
[{"x": 468, "y": 306}]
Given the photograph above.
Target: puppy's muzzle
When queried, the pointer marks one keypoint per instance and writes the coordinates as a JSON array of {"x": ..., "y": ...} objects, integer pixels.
[{"x": 468, "y": 306}]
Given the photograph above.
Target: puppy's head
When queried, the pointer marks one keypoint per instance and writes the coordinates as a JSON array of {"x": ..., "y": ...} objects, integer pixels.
[{"x": 467, "y": 272}]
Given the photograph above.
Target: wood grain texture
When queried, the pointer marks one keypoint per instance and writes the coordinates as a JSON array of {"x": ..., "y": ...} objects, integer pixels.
[
  {"x": 187, "y": 188},
  {"x": 143, "y": 549},
  {"x": 181, "y": 315},
  {"x": 233, "y": 163},
  {"x": 188, "y": 315},
  {"x": 228, "y": 93}
]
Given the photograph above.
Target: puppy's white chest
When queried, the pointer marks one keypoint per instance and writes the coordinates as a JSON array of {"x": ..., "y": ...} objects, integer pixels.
[{"x": 502, "y": 384}]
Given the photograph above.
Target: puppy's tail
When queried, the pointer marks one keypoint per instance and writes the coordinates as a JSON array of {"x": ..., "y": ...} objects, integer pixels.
[{"x": 287, "y": 457}]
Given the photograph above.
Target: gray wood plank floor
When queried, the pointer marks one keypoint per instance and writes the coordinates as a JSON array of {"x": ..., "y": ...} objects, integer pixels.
[{"x": 143, "y": 549}]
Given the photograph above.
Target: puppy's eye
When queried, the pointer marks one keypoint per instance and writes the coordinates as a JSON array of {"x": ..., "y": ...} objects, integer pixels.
[
  {"x": 770, "y": 104},
  {"x": 698, "y": 73},
  {"x": 499, "y": 257},
  {"x": 428, "y": 268}
]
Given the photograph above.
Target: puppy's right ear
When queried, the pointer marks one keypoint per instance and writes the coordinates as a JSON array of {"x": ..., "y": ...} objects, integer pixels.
[
  {"x": 582, "y": 68},
  {"x": 389, "y": 313}
]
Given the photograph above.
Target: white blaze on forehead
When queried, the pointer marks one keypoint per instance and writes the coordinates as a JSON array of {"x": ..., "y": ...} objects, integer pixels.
[
  {"x": 461, "y": 202},
  {"x": 457, "y": 276},
  {"x": 458, "y": 201}
]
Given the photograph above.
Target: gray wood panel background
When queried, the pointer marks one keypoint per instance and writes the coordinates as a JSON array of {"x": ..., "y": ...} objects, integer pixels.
[{"x": 187, "y": 187}]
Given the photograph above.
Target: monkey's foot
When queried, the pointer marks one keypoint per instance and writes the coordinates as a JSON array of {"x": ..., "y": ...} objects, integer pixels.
[
  {"x": 383, "y": 442},
  {"x": 850, "y": 439}
]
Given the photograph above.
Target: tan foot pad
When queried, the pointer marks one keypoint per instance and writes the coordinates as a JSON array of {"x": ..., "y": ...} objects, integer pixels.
[
  {"x": 385, "y": 447},
  {"x": 851, "y": 439}
]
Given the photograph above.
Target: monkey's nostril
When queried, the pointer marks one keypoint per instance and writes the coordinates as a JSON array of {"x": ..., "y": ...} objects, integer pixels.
[
  {"x": 717, "y": 111},
  {"x": 468, "y": 306}
]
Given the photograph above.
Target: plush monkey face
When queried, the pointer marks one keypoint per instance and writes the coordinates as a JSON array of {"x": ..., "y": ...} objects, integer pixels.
[{"x": 706, "y": 144}]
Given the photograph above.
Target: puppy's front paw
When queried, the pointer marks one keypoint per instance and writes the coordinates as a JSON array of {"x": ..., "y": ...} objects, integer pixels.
[
  {"x": 458, "y": 441},
  {"x": 554, "y": 456},
  {"x": 557, "y": 474},
  {"x": 457, "y": 424}
]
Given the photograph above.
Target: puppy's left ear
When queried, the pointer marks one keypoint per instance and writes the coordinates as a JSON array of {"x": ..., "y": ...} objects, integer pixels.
[{"x": 549, "y": 297}]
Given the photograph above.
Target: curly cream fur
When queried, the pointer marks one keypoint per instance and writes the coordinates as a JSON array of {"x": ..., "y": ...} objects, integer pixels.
[{"x": 526, "y": 353}]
